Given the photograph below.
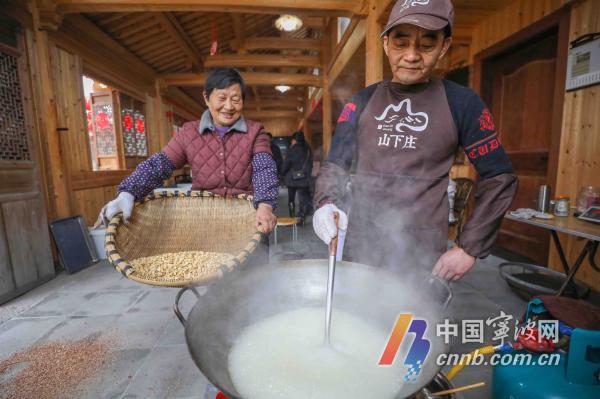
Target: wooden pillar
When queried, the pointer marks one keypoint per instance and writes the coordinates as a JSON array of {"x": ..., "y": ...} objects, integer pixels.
[
  {"x": 307, "y": 111},
  {"x": 326, "y": 99},
  {"x": 374, "y": 44},
  {"x": 57, "y": 175},
  {"x": 161, "y": 116}
]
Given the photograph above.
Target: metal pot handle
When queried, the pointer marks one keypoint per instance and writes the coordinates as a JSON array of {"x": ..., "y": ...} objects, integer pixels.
[
  {"x": 446, "y": 286},
  {"x": 176, "y": 304}
]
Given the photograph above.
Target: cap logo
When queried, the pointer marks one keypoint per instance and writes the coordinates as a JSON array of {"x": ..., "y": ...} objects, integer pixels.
[{"x": 412, "y": 3}]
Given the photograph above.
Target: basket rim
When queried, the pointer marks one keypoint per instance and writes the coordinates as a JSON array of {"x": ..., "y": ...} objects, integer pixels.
[{"x": 128, "y": 271}]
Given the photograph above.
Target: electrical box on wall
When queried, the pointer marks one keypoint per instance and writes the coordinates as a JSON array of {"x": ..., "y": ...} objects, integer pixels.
[{"x": 583, "y": 66}]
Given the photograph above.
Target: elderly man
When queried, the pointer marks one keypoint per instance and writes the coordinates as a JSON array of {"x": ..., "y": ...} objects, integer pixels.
[{"x": 404, "y": 133}]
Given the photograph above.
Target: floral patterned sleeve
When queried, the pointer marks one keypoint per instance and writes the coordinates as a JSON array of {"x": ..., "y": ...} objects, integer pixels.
[
  {"x": 264, "y": 179},
  {"x": 147, "y": 176}
]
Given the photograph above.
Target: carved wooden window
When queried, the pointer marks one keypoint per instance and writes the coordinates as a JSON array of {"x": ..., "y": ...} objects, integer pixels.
[
  {"x": 101, "y": 114},
  {"x": 13, "y": 134},
  {"x": 133, "y": 125}
]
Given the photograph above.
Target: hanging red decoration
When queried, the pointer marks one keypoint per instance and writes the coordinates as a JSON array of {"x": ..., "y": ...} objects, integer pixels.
[
  {"x": 139, "y": 125},
  {"x": 214, "y": 46},
  {"x": 88, "y": 106},
  {"x": 128, "y": 122},
  {"x": 102, "y": 121}
]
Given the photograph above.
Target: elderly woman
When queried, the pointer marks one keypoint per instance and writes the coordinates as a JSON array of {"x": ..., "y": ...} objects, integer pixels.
[{"x": 228, "y": 154}]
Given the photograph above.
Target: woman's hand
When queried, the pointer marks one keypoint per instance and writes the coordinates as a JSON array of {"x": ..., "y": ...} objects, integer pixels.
[
  {"x": 265, "y": 218},
  {"x": 122, "y": 204}
]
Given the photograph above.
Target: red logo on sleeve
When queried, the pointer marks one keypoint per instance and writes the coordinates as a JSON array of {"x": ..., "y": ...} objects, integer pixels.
[
  {"x": 485, "y": 120},
  {"x": 483, "y": 147},
  {"x": 347, "y": 114}
]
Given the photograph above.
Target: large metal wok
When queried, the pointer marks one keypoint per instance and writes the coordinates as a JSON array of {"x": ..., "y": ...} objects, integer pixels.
[{"x": 252, "y": 294}]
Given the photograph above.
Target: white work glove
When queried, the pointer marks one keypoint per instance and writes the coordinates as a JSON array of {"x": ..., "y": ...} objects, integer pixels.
[
  {"x": 123, "y": 203},
  {"x": 324, "y": 224}
]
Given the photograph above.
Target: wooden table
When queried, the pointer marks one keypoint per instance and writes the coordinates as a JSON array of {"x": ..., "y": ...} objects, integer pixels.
[{"x": 572, "y": 226}]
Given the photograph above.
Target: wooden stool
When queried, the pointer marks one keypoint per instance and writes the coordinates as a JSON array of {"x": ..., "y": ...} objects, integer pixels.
[{"x": 288, "y": 222}]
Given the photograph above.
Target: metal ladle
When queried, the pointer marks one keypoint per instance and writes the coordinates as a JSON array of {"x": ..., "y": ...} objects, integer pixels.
[{"x": 330, "y": 279}]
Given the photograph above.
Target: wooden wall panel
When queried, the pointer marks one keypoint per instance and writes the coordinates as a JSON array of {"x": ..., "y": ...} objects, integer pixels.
[
  {"x": 70, "y": 110},
  {"x": 280, "y": 127},
  {"x": 511, "y": 19},
  {"x": 7, "y": 283},
  {"x": 89, "y": 202},
  {"x": 28, "y": 244},
  {"x": 579, "y": 160},
  {"x": 17, "y": 179},
  {"x": 109, "y": 60}
]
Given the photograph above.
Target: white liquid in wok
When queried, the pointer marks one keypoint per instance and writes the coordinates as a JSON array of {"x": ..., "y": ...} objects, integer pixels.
[{"x": 283, "y": 357}]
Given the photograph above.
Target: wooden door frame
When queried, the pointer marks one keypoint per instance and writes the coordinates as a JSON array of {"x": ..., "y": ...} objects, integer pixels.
[
  {"x": 561, "y": 20},
  {"x": 37, "y": 189}
]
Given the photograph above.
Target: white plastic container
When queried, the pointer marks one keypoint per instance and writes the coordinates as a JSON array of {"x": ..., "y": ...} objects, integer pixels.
[{"x": 98, "y": 240}]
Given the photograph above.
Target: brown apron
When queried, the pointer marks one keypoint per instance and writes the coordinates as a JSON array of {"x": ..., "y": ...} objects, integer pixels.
[{"x": 399, "y": 210}]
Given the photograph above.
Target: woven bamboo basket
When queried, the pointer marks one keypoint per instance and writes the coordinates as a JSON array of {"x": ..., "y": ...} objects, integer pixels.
[{"x": 180, "y": 222}]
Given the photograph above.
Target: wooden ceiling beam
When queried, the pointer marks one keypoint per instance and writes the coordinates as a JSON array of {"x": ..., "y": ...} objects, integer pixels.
[
  {"x": 323, "y": 7},
  {"x": 239, "y": 30},
  {"x": 119, "y": 24},
  {"x": 86, "y": 32},
  {"x": 170, "y": 63},
  {"x": 313, "y": 22},
  {"x": 251, "y": 78},
  {"x": 281, "y": 43},
  {"x": 185, "y": 101},
  {"x": 279, "y": 103},
  {"x": 141, "y": 26},
  {"x": 108, "y": 18},
  {"x": 258, "y": 60},
  {"x": 271, "y": 114},
  {"x": 347, "y": 50},
  {"x": 150, "y": 34},
  {"x": 174, "y": 29},
  {"x": 143, "y": 48},
  {"x": 342, "y": 43},
  {"x": 164, "y": 55}
]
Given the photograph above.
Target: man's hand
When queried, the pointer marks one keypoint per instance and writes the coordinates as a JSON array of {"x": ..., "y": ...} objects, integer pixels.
[
  {"x": 265, "y": 218},
  {"x": 453, "y": 264},
  {"x": 324, "y": 223}
]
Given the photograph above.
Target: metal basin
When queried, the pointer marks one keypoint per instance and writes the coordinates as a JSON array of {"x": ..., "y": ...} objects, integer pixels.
[{"x": 252, "y": 294}]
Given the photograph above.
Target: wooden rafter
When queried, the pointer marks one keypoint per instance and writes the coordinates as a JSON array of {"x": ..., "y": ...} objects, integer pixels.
[
  {"x": 174, "y": 29},
  {"x": 251, "y": 78},
  {"x": 281, "y": 43},
  {"x": 240, "y": 31},
  {"x": 257, "y": 60},
  {"x": 323, "y": 7}
]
